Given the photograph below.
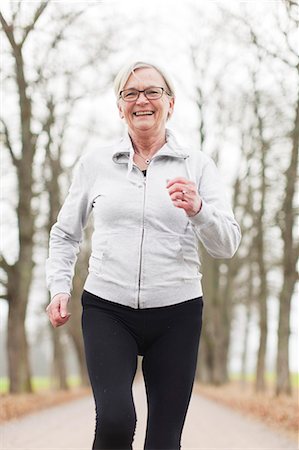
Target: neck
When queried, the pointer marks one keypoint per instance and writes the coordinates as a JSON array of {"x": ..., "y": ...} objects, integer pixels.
[{"x": 147, "y": 143}]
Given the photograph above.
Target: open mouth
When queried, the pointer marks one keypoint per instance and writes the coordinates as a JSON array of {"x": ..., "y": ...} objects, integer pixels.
[{"x": 143, "y": 113}]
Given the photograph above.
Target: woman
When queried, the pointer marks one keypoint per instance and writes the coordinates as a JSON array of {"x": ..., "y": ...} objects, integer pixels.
[{"x": 152, "y": 199}]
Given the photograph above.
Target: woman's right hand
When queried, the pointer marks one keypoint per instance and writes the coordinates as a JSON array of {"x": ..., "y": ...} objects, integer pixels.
[{"x": 57, "y": 310}]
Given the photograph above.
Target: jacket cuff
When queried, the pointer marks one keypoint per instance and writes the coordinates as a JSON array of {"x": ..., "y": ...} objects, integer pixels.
[
  {"x": 203, "y": 217},
  {"x": 59, "y": 288}
]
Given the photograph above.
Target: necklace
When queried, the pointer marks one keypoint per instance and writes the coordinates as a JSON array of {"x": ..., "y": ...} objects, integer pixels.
[{"x": 146, "y": 160}]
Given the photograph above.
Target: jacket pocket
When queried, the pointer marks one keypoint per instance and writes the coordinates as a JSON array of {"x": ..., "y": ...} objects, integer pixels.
[
  {"x": 97, "y": 258},
  {"x": 191, "y": 257},
  {"x": 162, "y": 260},
  {"x": 119, "y": 258}
]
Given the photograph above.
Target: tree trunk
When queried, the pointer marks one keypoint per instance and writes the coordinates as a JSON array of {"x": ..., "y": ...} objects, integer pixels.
[
  {"x": 59, "y": 363},
  {"x": 17, "y": 346},
  {"x": 20, "y": 275},
  {"x": 74, "y": 325},
  {"x": 18, "y": 287},
  {"x": 259, "y": 246},
  {"x": 290, "y": 255},
  {"x": 260, "y": 383},
  {"x": 213, "y": 353},
  {"x": 248, "y": 303},
  {"x": 59, "y": 360}
]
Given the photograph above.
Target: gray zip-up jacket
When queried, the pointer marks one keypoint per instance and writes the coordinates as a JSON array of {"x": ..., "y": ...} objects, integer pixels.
[{"x": 144, "y": 249}]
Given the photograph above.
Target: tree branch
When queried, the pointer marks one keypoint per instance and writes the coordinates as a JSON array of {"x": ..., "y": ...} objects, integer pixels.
[
  {"x": 286, "y": 32},
  {"x": 8, "y": 30},
  {"x": 4, "y": 264},
  {"x": 254, "y": 37},
  {"x": 16, "y": 11},
  {"x": 7, "y": 142},
  {"x": 37, "y": 15}
]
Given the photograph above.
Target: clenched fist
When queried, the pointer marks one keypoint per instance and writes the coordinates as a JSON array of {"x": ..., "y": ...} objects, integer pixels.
[
  {"x": 57, "y": 310},
  {"x": 183, "y": 194}
]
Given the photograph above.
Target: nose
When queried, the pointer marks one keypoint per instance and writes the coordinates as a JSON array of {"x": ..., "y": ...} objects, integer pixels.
[{"x": 142, "y": 98}]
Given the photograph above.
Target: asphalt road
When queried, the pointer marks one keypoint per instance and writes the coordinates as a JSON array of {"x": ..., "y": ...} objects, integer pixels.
[{"x": 208, "y": 426}]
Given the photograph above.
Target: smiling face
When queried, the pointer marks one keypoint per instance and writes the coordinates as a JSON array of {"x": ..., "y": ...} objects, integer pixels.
[{"x": 143, "y": 114}]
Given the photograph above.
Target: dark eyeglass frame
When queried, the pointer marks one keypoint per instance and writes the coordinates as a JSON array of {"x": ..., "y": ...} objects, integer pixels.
[{"x": 144, "y": 91}]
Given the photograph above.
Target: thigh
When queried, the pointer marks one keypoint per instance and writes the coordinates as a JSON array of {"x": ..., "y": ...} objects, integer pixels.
[
  {"x": 169, "y": 366},
  {"x": 111, "y": 353}
]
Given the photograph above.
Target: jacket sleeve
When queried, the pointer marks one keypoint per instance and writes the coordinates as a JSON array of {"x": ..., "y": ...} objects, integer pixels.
[
  {"x": 66, "y": 235},
  {"x": 215, "y": 225}
]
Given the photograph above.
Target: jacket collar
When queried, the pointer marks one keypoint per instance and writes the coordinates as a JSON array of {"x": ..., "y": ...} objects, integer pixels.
[{"x": 172, "y": 149}]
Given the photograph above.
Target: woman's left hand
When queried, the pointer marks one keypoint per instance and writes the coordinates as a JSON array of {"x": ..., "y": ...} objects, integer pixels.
[{"x": 183, "y": 194}]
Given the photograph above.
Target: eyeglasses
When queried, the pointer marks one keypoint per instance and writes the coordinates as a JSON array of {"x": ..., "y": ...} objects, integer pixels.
[{"x": 151, "y": 93}]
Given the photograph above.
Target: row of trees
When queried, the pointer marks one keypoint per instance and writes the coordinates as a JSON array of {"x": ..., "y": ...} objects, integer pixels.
[
  {"x": 47, "y": 93},
  {"x": 47, "y": 89},
  {"x": 263, "y": 195}
]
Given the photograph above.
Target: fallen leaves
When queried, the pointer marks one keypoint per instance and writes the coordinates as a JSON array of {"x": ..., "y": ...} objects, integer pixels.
[
  {"x": 17, "y": 405},
  {"x": 280, "y": 412}
]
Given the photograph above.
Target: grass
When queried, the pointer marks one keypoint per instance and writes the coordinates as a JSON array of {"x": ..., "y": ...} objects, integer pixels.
[
  {"x": 270, "y": 378},
  {"x": 40, "y": 383},
  {"x": 45, "y": 383}
]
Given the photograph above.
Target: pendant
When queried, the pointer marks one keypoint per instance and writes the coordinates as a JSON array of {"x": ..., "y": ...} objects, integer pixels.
[{"x": 147, "y": 161}]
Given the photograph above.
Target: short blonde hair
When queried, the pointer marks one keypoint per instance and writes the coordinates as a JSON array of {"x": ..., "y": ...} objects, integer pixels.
[{"x": 127, "y": 70}]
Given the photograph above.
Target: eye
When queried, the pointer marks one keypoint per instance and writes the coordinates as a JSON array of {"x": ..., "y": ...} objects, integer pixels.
[
  {"x": 129, "y": 94},
  {"x": 153, "y": 91}
]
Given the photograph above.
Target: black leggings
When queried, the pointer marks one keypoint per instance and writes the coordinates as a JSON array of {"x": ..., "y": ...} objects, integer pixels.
[{"x": 168, "y": 339}]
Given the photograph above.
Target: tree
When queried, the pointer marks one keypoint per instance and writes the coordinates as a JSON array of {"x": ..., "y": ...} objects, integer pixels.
[
  {"x": 291, "y": 247},
  {"x": 259, "y": 113},
  {"x": 19, "y": 275},
  {"x": 287, "y": 53},
  {"x": 42, "y": 86},
  {"x": 219, "y": 275}
]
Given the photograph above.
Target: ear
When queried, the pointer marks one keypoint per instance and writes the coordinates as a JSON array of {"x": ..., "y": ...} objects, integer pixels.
[
  {"x": 120, "y": 111},
  {"x": 171, "y": 107}
]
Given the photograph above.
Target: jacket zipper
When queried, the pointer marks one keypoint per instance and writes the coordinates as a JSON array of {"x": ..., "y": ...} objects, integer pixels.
[{"x": 141, "y": 243}]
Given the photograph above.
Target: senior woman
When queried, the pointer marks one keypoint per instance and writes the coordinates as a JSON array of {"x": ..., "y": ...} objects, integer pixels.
[{"x": 152, "y": 200}]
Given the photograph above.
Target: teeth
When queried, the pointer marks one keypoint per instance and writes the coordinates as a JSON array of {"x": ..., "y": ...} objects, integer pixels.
[{"x": 143, "y": 113}]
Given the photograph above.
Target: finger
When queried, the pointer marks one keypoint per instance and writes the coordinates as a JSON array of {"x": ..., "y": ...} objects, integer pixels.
[
  {"x": 63, "y": 307},
  {"x": 177, "y": 180},
  {"x": 63, "y": 320},
  {"x": 52, "y": 311},
  {"x": 180, "y": 195},
  {"x": 177, "y": 187},
  {"x": 60, "y": 321}
]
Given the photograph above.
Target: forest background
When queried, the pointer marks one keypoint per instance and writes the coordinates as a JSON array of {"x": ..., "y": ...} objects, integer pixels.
[{"x": 236, "y": 68}]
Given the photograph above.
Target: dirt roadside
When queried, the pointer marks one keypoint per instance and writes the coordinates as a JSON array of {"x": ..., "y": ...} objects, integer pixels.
[
  {"x": 279, "y": 413},
  {"x": 209, "y": 425}
]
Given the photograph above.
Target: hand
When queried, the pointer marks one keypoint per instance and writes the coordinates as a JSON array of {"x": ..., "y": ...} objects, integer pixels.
[
  {"x": 183, "y": 194},
  {"x": 57, "y": 310}
]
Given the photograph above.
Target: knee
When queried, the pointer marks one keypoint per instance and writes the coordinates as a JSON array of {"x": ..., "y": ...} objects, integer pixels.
[{"x": 115, "y": 429}]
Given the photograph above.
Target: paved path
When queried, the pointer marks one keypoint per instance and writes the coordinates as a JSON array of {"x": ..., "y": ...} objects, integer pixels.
[{"x": 208, "y": 426}]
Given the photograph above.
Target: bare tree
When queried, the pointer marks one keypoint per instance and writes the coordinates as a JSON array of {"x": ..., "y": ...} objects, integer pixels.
[
  {"x": 290, "y": 258},
  {"x": 290, "y": 58},
  {"x": 39, "y": 81},
  {"x": 219, "y": 275},
  {"x": 266, "y": 123},
  {"x": 259, "y": 242},
  {"x": 19, "y": 275}
]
